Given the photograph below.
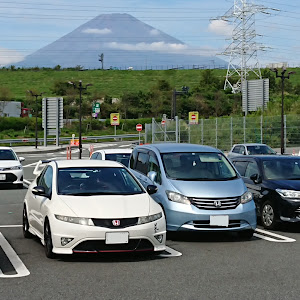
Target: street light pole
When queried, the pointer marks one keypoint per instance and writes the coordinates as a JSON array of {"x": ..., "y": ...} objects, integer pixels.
[
  {"x": 80, "y": 87},
  {"x": 282, "y": 77},
  {"x": 36, "y": 115}
]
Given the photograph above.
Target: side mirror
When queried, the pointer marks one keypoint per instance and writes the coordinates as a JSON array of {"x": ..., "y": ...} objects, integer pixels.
[
  {"x": 151, "y": 189},
  {"x": 152, "y": 175},
  {"x": 39, "y": 191},
  {"x": 256, "y": 178},
  {"x": 21, "y": 158}
]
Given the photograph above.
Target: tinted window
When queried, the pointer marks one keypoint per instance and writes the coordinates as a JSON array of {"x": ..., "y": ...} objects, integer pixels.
[
  {"x": 287, "y": 169},
  {"x": 260, "y": 149},
  {"x": 197, "y": 166},
  {"x": 7, "y": 154},
  {"x": 141, "y": 164},
  {"x": 120, "y": 157},
  {"x": 95, "y": 155},
  {"x": 241, "y": 166},
  {"x": 97, "y": 181},
  {"x": 251, "y": 169},
  {"x": 46, "y": 179},
  {"x": 133, "y": 159},
  {"x": 153, "y": 165},
  {"x": 236, "y": 149}
]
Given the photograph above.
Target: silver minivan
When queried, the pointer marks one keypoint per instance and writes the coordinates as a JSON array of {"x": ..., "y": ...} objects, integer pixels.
[{"x": 198, "y": 188}]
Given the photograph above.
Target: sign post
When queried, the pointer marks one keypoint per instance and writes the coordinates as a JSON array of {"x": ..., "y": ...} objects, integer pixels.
[
  {"x": 139, "y": 128},
  {"x": 115, "y": 120}
]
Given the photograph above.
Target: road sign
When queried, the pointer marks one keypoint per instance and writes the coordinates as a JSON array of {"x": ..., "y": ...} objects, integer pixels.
[
  {"x": 163, "y": 122},
  {"x": 96, "y": 107},
  {"x": 114, "y": 119},
  {"x": 193, "y": 117},
  {"x": 139, "y": 127}
]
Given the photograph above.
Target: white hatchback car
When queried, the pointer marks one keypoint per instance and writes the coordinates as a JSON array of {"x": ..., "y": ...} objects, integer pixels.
[
  {"x": 11, "y": 170},
  {"x": 120, "y": 155},
  {"x": 85, "y": 206}
]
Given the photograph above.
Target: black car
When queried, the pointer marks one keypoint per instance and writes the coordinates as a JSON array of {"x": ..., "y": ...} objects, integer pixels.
[{"x": 274, "y": 181}]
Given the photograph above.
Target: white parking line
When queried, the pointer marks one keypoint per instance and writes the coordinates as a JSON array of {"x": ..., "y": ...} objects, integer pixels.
[
  {"x": 14, "y": 259},
  {"x": 170, "y": 253},
  {"x": 125, "y": 146},
  {"x": 10, "y": 226},
  {"x": 30, "y": 165},
  {"x": 270, "y": 236}
]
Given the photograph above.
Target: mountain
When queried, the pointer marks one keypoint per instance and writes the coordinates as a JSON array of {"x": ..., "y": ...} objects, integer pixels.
[{"x": 124, "y": 41}]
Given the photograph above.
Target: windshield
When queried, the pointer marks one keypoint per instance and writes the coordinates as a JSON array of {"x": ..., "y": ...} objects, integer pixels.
[
  {"x": 260, "y": 149},
  {"x": 282, "y": 169},
  {"x": 198, "y": 166},
  {"x": 96, "y": 181},
  {"x": 119, "y": 157},
  {"x": 6, "y": 154}
]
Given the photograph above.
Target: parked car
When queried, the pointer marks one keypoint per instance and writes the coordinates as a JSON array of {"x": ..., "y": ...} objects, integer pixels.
[
  {"x": 275, "y": 183},
  {"x": 11, "y": 170},
  {"x": 198, "y": 188},
  {"x": 120, "y": 155},
  {"x": 250, "y": 149},
  {"x": 89, "y": 206}
]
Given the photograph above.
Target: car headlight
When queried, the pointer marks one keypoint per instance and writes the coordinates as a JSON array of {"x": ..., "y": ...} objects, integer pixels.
[
  {"x": 17, "y": 167},
  {"x": 289, "y": 194},
  {"x": 149, "y": 219},
  {"x": 75, "y": 220},
  {"x": 176, "y": 197},
  {"x": 246, "y": 197}
]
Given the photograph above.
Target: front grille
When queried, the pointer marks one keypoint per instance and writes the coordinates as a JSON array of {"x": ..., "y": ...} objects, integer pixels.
[
  {"x": 216, "y": 203},
  {"x": 108, "y": 223},
  {"x": 205, "y": 224},
  {"x": 100, "y": 246},
  {"x": 9, "y": 178},
  {"x": 297, "y": 211}
]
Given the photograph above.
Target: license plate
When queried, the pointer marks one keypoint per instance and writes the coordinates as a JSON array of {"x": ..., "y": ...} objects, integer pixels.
[
  {"x": 222, "y": 220},
  {"x": 2, "y": 176},
  {"x": 116, "y": 238}
]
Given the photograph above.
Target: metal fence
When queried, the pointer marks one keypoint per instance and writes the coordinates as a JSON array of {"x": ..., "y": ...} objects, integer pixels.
[{"x": 223, "y": 132}]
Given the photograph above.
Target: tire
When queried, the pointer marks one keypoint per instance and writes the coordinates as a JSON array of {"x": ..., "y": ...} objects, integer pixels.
[
  {"x": 20, "y": 186},
  {"x": 246, "y": 234},
  {"x": 48, "y": 240},
  {"x": 26, "y": 233},
  {"x": 268, "y": 216}
]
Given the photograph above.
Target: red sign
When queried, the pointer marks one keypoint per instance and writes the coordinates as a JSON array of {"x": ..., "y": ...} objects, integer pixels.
[
  {"x": 163, "y": 122},
  {"x": 139, "y": 127},
  {"x": 193, "y": 117},
  {"x": 25, "y": 140}
]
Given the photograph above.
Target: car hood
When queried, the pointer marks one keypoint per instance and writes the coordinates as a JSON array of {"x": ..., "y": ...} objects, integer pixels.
[
  {"x": 285, "y": 184},
  {"x": 9, "y": 163},
  {"x": 210, "y": 189},
  {"x": 108, "y": 206}
]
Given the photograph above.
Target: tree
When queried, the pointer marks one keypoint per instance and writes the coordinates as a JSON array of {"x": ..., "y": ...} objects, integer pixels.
[{"x": 5, "y": 96}]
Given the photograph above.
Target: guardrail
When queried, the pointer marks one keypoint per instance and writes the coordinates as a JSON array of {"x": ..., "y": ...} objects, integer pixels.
[{"x": 67, "y": 139}]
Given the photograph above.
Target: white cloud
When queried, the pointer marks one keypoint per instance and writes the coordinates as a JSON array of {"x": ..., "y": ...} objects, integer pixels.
[
  {"x": 154, "y": 32},
  {"x": 156, "y": 46},
  {"x": 220, "y": 27},
  {"x": 97, "y": 31},
  {"x": 8, "y": 56}
]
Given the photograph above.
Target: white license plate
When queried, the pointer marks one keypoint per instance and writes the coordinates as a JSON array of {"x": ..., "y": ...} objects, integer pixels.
[
  {"x": 116, "y": 238},
  {"x": 222, "y": 220},
  {"x": 2, "y": 176}
]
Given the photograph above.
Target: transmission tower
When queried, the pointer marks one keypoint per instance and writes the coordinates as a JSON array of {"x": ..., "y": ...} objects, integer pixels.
[{"x": 243, "y": 48}]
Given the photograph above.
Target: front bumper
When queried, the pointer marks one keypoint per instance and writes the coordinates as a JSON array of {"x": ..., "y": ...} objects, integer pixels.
[
  {"x": 91, "y": 239},
  {"x": 184, "y": 217},
  {"x": 289, "y": 211},
  {"x": 11, "y": 176}
]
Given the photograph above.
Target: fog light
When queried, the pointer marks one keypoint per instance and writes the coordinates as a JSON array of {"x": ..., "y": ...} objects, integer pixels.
[
  {"x": 159, "y": 237},
  {"x": 64, "y": 241}
]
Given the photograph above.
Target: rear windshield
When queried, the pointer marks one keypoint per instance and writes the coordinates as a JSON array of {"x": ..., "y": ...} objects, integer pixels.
[
  {"x": 119, "y": 157},
  {"x": 260, "y": 150},
  {"x": 7, "y": 154},
  {"x": 198, "y": 166},
  {"x": 278, "y": 169},
  {"x": 97, "y": 181}
]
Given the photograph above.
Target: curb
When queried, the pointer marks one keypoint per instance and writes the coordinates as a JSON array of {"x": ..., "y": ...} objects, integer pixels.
[{"x": 39, "y": 151}]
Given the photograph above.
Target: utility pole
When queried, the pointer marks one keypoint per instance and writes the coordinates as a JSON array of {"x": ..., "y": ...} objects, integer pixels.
[
  {"x": 81, "y": 88},
  {"x": 184, "y": 90},
  {"x": 36, "y": 115},
  {"x": 101, "y": 58},
  {"x": 282, "y": 77}
]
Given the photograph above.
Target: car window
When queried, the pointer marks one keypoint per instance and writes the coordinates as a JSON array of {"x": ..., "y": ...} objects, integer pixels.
[
  {"x": 242, "y": 150},
  {"x": 197, "y": 166},
  {"x": 260, "y": 149},
  {"x": 241, "y": 166},
  {"x": 251, "y": 169},
  {"x": 133, "y": 158},
  {"x": 119, "y": 157},
  {"x": 278, "y": 169},
  {"x": 153, "y": 165},
  {"x": 46, "y": 179},
  {"x": 97, "y": 181},
  {"x": 95, "y": 155},
  {"x": 7, "y": 154},
  {"x": 141, "y": 164},
  {"x": 236, "y": 149}
]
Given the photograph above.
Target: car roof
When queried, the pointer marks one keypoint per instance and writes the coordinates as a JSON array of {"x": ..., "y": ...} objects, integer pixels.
[
  {"x": 112, "y": 151},
  {"x": 5, "y": 148},
  {"x": 87, "y": 163},
  {"x": 250, "y": 144},
  {"x": 176, "y": 147},
  {"x": 264, "y": 157}
]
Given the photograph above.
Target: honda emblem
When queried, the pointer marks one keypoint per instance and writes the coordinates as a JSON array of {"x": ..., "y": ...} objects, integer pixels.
[
  {"x": 217, "y": 203},
  {"x": 116, "y": 222}
]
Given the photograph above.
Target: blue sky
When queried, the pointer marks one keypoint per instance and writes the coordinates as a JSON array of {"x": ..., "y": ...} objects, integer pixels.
[{"x": 28, "y": 25}]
